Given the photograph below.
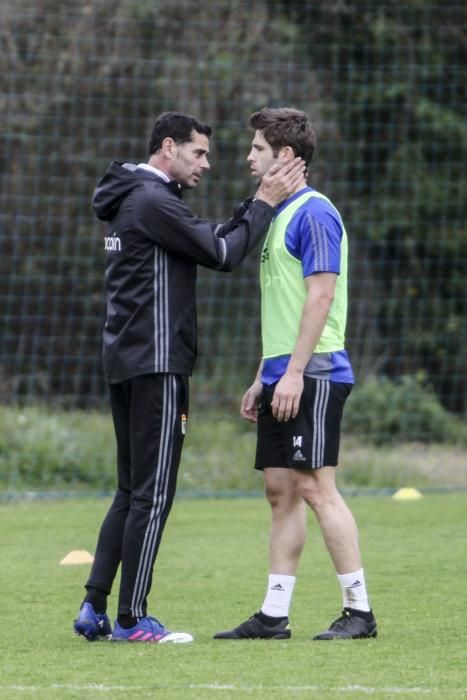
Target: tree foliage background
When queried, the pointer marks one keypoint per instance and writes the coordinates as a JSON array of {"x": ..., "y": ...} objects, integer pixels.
[{"x": 385, "y": 84}]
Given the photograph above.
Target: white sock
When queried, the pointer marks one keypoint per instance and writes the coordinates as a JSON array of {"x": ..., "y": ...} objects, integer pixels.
[
  {"x": 354, "y": 593},
  {"x": 278, "y": 595}
]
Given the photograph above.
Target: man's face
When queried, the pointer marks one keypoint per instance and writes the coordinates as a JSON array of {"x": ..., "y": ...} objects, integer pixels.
[
  {"x": 191, "y": 160},
  {"x": 261, "y": 156}
]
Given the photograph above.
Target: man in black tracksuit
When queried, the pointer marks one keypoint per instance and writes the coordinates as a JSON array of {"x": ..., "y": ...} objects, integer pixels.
[{"x": 153, "y": 245}]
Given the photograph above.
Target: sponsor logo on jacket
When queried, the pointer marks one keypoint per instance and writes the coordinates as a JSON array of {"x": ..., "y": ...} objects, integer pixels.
[{"x": 112, "y": 243}]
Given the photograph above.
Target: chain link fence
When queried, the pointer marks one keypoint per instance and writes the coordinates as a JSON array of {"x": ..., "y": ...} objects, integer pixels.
[{"x": 385, "y": 85}]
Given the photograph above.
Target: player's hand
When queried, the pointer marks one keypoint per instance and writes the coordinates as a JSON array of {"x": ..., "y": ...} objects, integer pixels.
[
  {"x": 250, "y": 402},
  {"x": 287, "y": 394},
  {"x": 280, "y": 181}
]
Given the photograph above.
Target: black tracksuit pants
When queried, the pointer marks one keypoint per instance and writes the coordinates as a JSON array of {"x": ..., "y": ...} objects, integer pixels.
[{"x": 149, "y": 414}]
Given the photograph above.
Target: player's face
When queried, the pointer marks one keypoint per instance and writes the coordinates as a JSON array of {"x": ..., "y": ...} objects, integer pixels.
[
  {"x": 191, "y": 160},
  {"x": 261, "y": 156}
]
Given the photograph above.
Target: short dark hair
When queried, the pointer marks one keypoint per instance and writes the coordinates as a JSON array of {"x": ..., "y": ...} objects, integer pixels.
[
  {"x": 177, "y": 126},
  {"x": 286, "y": 126}
]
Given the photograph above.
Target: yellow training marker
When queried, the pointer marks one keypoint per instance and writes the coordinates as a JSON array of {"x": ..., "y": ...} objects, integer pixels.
[
  {"x": 78, "y": 556},
  {"x": 407, "y": 494}
]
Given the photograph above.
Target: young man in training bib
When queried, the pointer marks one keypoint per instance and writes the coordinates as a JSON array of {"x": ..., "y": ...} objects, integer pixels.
[{"x": 301, "y": 386}]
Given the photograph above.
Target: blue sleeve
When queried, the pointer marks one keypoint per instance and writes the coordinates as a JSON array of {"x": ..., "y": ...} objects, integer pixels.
[{"x": 315, "y": 238}]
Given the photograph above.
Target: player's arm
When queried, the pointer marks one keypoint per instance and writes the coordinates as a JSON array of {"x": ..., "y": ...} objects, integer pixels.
[
  {"x": 250, "y": 401},
  {"x": 320, "y": 295}
]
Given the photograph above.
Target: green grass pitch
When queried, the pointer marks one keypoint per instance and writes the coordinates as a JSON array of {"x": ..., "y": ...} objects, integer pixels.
[{"x": 211, "y": 574}]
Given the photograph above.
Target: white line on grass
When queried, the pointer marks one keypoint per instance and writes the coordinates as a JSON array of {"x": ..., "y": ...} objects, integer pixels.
[
  {"x": 320, "y": 688},
  {"x": 98, "y": 687}
]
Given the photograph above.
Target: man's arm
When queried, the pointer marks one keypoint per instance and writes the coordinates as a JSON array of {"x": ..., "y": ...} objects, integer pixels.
[
  {"x": 171, "y": 224},
  {"x": 320, "y": 295},
  {"x": 250, "y": 401}
]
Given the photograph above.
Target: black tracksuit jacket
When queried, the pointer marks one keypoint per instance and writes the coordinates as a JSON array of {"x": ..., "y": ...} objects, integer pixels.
[{"x": 153, "y": 245}]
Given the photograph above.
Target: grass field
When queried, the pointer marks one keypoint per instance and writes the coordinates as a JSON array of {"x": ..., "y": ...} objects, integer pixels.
[{"x": 212, "y": 574}]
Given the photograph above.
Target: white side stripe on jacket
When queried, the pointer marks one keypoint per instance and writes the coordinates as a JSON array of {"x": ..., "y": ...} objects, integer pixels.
[{"x": 161, "y": 311}]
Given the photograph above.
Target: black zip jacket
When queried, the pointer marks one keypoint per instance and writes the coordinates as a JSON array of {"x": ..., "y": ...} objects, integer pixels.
[{"x": 153, "y": 245}]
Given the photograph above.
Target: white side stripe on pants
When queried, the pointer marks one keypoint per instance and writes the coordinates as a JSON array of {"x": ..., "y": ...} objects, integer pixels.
[
  {"x": 161, "y": 485},
  {"x": 323, "y": 387}
]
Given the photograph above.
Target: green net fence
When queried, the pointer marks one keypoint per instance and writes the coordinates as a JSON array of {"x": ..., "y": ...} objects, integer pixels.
[{"x": 385, "y": 84}]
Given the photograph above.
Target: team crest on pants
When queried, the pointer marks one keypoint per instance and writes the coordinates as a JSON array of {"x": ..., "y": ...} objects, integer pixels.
[{"x": 183, "y": 423}]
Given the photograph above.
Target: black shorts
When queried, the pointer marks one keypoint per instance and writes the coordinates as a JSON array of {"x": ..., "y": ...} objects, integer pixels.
[{"x": 311, "y": 439}]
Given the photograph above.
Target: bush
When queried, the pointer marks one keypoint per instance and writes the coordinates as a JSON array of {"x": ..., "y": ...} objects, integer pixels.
[
  {"x": 42, "y": 449},
  {"x": 39, "y": 448},
  {"x": 383, "y": 411},
  {"x": 55, "y": 450}
]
